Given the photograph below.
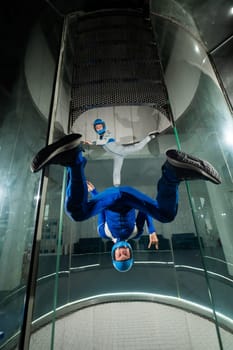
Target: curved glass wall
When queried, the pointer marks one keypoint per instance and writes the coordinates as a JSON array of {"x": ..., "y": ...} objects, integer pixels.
[
  {"x": 28, "y": 67},
  {"x": 193, "y": 265},
  {"x": 203, "y": 126}
]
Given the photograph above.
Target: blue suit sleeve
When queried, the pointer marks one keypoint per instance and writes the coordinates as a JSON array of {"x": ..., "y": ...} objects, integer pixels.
[
  {"x": 150, "y": 224},
  {"x": 101, "y": 223},
  {"x": 93, "y": 193},
  {"x": 140, "y": 222}
]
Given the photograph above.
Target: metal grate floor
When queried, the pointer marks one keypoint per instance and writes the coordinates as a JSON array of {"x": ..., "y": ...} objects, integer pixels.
[{"x": 132, "y": 325}]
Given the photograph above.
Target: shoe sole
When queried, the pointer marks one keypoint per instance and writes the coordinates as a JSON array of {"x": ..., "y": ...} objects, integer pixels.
[
  {"x": 47, "y": 153},
  {"x": 153, "y": 133},
  {"x": 183, "y": 160}
]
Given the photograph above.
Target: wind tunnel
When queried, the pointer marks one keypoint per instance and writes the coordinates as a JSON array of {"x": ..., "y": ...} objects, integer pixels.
[{"x": 140, "y": 67}]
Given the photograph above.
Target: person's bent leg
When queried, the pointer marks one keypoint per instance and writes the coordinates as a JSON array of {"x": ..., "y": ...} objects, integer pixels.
[
  {"x": 118, "y": 151},
  {"x": 77, "y": 205},
  {"x": 117, "y": 166},
  {"x": 163, "y": 208},
  {"x": 118, "y": 159},
  {"x": 124, "y": 150},
  {"x": 167, "y": 193},
  {"x": 179, "y": 166},
  {"x": 76, "y": 192},
  {"x": 132, "y": 148}
]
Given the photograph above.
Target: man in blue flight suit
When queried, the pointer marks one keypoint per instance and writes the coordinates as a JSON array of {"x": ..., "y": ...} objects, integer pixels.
[
  {"x": 121, "y": 233},
  {"x": 119, "y": 204}
]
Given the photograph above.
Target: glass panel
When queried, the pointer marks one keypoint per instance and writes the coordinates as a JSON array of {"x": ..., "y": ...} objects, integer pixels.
[
  {"x": 26, "y": 89},
  {"x": 222, "y": 59},
  {"x": 213, "y": 28},
  {"x": 85, "y": 268},
  {"x": 203, "y": 128},
  {"x": 194, "y": 262}
]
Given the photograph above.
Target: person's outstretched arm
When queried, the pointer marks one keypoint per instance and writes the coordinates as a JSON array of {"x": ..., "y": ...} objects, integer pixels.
[
  {"x": 153, "y": 239},
  {"x": 140, "y": 222}
]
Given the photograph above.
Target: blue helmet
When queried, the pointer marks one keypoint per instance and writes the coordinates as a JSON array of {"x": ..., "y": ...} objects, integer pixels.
[
  {"x": 102, "y": 122},
  {"x": 125, "y": 265}
]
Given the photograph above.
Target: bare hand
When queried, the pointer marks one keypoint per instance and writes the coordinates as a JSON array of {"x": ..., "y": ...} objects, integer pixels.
[
  {"x": 86, "y": 142},
  {"x": 90, "y": 186},
  {"x": 153, "y": 240}
]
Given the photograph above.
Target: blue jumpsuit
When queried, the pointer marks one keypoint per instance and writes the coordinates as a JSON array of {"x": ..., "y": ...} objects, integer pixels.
[
  {"x": 131, "y": 226},
  {"x": 117, "y": 205}
]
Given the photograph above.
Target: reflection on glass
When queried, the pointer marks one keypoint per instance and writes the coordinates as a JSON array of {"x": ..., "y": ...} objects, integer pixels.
[
  {"x": 179, "y": 267},
  {"x": 23, "y": 129},
  {"x": 203, "y": 128}
]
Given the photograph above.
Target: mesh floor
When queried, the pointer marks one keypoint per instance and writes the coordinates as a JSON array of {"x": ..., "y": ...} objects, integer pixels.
[{"x": 134, "y": 325}]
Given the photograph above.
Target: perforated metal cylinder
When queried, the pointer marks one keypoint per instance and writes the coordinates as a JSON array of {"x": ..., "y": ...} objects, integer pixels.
[{"x": 116, "y": 63}]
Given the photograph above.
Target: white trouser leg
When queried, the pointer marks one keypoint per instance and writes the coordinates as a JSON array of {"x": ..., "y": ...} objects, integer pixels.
[
  {"x": 117, "y": 149},
  {"x": 117, "y": 166},
  {"x": 119, "y": 152}
]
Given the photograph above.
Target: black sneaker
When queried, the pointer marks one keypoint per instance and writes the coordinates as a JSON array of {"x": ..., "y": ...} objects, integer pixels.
[
  {"x": 188, "y": 167},
  {"x": 62, "y": 152}
]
